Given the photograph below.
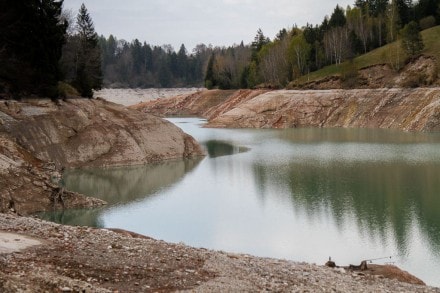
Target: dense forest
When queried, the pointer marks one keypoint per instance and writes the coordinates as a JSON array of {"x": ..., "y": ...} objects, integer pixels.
[
  {"x": 45, "y": 50},
  {"x": 293, "y": 52},
  {"x": 31, "y": 38}
]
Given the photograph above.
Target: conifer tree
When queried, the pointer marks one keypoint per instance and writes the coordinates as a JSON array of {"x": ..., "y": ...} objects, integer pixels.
[
  {"x": 412, "y": 42},
  {"x": 210, "y": 81},
  {"x": 88, "y": 64},
  {"x": 338, "y": 17},
  {"x": 259, "y": 42},
  {"x": 31, "y": 38}
]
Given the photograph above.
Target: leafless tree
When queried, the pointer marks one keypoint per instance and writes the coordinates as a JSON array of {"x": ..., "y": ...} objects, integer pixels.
[{"x": 336, "y": 44}]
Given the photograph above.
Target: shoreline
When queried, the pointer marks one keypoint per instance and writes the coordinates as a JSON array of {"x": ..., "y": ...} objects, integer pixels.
[
  {"x": 105, "y": 260},
  {"x": 72, "y": 259},
  {"x": 383, "y": 108}
]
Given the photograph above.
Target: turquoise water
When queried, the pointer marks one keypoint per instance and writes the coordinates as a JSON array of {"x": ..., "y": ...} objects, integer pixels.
[{"x": 299, "y": 194}]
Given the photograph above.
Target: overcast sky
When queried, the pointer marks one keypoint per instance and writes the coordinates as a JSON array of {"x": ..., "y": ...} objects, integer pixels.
[{"x": 191, "y": 22}]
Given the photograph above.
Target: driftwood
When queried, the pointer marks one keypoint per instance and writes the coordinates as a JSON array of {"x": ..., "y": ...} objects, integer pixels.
[
  {"x": 362, "y": 267},
  {"x": 57, "y": 196}
]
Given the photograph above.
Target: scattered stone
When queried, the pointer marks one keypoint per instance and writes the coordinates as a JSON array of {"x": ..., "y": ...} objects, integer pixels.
[{"x": 88, "y": 265}]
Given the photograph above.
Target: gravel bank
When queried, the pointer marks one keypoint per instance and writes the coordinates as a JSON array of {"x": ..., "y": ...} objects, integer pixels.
[
  {"x": 82, "y": 259},
  {"x": 129, "y": 97}
]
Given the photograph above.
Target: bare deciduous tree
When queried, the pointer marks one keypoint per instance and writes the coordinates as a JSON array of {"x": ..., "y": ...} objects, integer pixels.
[{"x": 336, "y": 44}]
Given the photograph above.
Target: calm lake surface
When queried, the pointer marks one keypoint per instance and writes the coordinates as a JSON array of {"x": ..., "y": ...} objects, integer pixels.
[{"x": 298, "y": 194}]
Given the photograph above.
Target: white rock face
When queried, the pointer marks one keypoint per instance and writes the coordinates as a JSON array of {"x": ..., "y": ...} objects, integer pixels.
[
  {"x": 83, "y": 132},
  {"x": 39, "y": 137}
]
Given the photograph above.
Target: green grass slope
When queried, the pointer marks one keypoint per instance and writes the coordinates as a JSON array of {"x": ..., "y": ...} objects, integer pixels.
[{"x": 389, "y": 54}]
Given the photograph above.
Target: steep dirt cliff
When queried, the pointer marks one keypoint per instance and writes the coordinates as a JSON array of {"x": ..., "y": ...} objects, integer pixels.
[
  {"x": 419, "y": 71},
  {"x": 398, "y": 108},
  {"x": 83, "y": 132},
  {"x": 405, "y": 109},
  {"x": 207, "y": 104},
  {"x": 27, "y": 184},
  {"x": 40, "y": 137}
]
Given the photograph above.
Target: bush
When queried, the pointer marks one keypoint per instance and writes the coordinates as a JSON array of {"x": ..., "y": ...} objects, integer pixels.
[
  {"x": 349, "y": 75},
  {"x": 66, "y": 90},
  {"x": 415, "y": 80},
  {"x": 208, "y": 84},
  {"x": 427, "y": 22}
]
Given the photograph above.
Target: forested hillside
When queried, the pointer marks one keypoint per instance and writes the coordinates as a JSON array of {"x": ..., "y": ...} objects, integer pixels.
[
  {"x": 64, "y": 55},
  {"x": 342, "y": 36},
  {"x": 46, "y": 53},
  {"x": 31, "y": 38},
  {"x": 294, "y": 52}
]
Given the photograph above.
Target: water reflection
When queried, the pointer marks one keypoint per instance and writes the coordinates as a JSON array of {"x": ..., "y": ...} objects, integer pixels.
[
  {"x": 301, "y": 194},
  {"x": 382, "y": 198},
  {"x": 217, "y": 148},
  {"x": 118, "y": 186},
  {"x": 361, "y": 135},
  {"x": 80, "y": 217},
  {"x": 127, "y": 184}
]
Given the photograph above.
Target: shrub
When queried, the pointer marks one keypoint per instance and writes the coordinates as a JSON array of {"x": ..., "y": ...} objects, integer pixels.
[
  {"x": 415, "y": 80},
  {"x": 427, "y": 22},
  {"x": 349, "y": 75},
  {"x": 66, "y": 90}
]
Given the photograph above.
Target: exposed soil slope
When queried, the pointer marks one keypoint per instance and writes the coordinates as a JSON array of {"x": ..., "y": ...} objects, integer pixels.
[
  {"x": 27, "y": 183},
  {"x": 398, "y": 108},
  {"x": 203, "y": 103},
  {"x": 84, "y": 132},
  {"x": 405, "y": 109},
  {"x": 40, "y": 137},
  {"x": 418, "y": 71}
]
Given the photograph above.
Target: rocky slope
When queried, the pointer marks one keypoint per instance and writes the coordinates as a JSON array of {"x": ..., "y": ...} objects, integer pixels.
[
  {"x": 27, "y": 183},
  {"x": 398, "y": 108},
  {"x": 80, "y": 259},
  {"x": 208, "y": 104},
  {"x": 418, "y": 71},
  {"x": 41, "y": 137},
  {"x": 84, "y": 132},
  {"x": 405, "y": 109}
]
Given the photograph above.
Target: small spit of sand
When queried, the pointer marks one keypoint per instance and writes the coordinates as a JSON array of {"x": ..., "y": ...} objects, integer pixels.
[{"x": 128, "y": 97}]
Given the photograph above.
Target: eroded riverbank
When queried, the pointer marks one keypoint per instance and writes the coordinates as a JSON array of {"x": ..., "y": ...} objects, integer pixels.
[
  {"x": 39, "y": 138},
  {"x": 82, "y": 258},
  {"x": 279, "y": 192},
  {"x": 395, "y": 108}
]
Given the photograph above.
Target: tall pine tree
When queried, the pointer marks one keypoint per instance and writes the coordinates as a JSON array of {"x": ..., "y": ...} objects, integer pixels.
[
  {"x": 210, "y": 80},
  {"x": 31, "y": 38},
  {"x": 88, "y": 64}
]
